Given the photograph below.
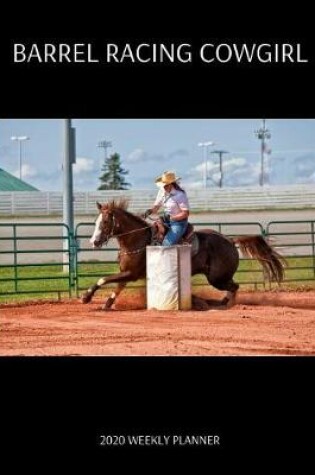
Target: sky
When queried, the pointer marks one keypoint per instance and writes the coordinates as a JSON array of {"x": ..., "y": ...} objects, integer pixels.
[{"x": 148, "y": 147}]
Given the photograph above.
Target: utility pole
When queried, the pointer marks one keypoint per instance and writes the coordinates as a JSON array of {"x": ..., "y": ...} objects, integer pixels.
[
  {"x": 262, "y": 134},
  {"x": 105, "y": 145},
  {"x": 220, "y": 153}
]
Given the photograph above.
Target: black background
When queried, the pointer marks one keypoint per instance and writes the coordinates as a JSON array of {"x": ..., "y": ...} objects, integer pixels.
[{"x": 54, "y": 409}]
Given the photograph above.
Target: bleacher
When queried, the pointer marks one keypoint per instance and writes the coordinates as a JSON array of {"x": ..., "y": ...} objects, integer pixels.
[{"x": 32, "y": 203}]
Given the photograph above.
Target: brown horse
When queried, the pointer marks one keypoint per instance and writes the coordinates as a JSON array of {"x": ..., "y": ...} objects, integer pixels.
[{"x": 217, "y": 256}]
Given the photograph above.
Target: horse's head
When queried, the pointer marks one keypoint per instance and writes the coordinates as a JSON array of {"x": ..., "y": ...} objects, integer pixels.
[
  {"x": 115, "y": 220},
  {"x": 105, "y": 226}
]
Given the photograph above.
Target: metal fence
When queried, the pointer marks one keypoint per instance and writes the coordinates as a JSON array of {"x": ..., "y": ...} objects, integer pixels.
[
  {"x": 36, "y": 259},
  {"x": 46, "y": 259},
  {"x": 296, "y": 241}
]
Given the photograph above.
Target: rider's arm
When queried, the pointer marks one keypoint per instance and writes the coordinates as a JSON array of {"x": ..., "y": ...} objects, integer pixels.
[
  {"x": 182, "y": 206},
  {"x": 158, "y": 203},
  {"x": 151, "y": 211},
  {"x": 155, "y": 209}
]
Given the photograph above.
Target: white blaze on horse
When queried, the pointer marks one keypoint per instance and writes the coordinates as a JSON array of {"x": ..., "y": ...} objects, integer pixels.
[
  {"x": 217, "y": 256},
  {"x": 96, "y": 237}
]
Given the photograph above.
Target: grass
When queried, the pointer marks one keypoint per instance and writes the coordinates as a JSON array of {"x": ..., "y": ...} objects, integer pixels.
[{"x": 49, "y": 280}]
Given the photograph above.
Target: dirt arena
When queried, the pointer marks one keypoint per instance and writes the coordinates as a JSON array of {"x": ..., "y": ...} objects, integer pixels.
[{"x": 261, "y": 323}]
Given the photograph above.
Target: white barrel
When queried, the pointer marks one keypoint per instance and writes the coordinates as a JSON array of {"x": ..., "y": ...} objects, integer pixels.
[{"x": 169, "y": 277}]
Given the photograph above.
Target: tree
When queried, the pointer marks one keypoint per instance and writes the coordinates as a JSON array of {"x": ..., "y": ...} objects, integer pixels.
[{"x": 113, "y": 176}]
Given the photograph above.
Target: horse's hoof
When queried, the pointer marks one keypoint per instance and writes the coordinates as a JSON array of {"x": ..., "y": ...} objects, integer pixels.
[
  {"x": 106, "y": 309},
  {"x": 199, "y": 304},
  {"x": 108, "y": 304},
  {"x": 228, "y": 302},
  {"x": 86, "y": 298}
]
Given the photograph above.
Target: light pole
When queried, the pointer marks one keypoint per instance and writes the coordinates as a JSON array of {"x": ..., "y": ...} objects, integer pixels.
[
  {"x": 220, "y": 153},
  {"x": 105, "y": 145},
  {"x": 69, "y": 158},
  {"x": 20, "y": 139},
  {"x": 262, "y": 134},
  {"x": 205, "y": 146}
]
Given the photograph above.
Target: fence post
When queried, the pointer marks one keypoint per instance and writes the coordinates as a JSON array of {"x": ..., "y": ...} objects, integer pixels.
[
  {"x": 72, "y": 260},
  {"x": 13, "y": 203},
  {"x": 48, "y": 203},
  {"x": 15, "y": 258},
  {"x": 313, "y": 245}
]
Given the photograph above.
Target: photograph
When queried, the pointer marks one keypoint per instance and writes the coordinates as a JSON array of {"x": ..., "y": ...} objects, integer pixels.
[{"x": 142, "y": 237}]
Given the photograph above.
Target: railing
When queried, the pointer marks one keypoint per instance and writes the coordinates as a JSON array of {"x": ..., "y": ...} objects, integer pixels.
[
  {"x": 50, "y": 203},
  {"x": 36, "y": 263},
  {"x": 47, "y": 259},
  {"x": 296, "y": 241}
]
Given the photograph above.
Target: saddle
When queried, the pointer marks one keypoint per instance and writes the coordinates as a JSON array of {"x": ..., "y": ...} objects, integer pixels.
[{"x": 160, "y": 228}]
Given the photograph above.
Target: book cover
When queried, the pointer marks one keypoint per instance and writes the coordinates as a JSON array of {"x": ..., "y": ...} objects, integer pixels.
[{"x": 203, "y": 412}]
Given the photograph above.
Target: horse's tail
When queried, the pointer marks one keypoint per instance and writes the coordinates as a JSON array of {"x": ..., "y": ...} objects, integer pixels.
[{"x": 257, "y": 247}]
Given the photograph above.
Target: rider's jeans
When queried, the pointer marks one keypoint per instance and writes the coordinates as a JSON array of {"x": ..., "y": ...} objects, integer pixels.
[{"x": 175, "y": 232}]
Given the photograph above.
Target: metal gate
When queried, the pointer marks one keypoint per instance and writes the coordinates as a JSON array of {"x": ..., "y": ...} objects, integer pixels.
[
  {"x": 92, "y": 264},
  {"x": 36, "y": 259},
  {"x": 46, "y": 259},
  {"x": 296, "y": 241}
]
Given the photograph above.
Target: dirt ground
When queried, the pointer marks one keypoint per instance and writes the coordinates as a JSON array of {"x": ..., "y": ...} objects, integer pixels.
[{"x": 261, "y": 323}]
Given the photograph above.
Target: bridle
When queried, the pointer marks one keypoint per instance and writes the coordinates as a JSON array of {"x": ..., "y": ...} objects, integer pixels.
[{"x": 111, "y": 233}]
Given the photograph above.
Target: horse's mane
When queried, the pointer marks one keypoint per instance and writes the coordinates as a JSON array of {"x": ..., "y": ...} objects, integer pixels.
[
  {"x": 122, "y": 204},
  {"x": 113, "y": 204}
]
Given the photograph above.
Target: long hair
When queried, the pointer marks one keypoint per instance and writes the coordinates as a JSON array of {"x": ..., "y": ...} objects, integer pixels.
[{"x": 177, "y": 187}]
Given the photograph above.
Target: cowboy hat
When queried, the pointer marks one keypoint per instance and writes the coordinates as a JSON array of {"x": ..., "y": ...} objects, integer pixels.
[{"x": 167, "y": 178}]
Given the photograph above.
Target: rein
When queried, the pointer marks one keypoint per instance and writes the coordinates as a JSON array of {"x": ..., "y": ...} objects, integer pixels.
[
  {"x": 136, "y": 251},
  {"x": 111, "y": 235},
  {"x": 130, "y": 232}
]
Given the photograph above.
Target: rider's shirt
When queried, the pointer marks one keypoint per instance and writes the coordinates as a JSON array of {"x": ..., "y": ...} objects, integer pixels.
[{"x": 173, "y": 202}]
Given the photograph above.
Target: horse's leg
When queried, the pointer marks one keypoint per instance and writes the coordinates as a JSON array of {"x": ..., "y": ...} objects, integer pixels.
[
  {"x": 230, "y": 286},
  {"x": 121, "y": 278},
  {"x": 88, "y": 295},
  {"x": 229, "y": 300},
  {"x": 110, "y": 300}
]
